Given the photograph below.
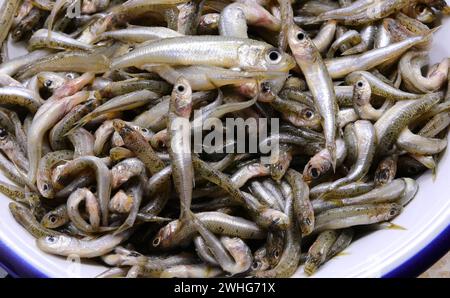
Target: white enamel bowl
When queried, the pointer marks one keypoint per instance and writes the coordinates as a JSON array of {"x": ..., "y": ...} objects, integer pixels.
[{"x": 382, "y": 253}]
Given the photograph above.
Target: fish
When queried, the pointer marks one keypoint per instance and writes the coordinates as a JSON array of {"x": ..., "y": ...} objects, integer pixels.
[
  {"x": 112, "y": 128},
  {"x": 229, "y": 52},
  {"x": 319, "y": 81},
  {"x": 179, "y": 131}
]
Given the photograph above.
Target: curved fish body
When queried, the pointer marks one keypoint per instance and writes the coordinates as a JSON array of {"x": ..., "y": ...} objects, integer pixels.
[
  {"x": 8, "y": 9},
  {"x": 102, "y": 174},
  {"x": 51, "y": 114},
  {"x": 366, "y": 146},
  {"x": 391, "y": 124}
]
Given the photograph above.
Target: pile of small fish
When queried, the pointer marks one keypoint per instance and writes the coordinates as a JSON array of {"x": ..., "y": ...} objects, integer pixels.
[{"x": 90, "y": 135}]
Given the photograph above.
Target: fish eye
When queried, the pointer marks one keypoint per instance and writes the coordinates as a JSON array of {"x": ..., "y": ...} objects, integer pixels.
[
  {"x": 360, "y": 84},
  {"x": 48, "y": 83},
  {"x": 156, "y": 241},
  {"x": 180, "y": 88},
  {"x": 276, "y": 253},
  {"x": 276, "y": 221},
  {"x": 51, "y": 239},
  {"x": 3, "y": 133},
  {"x": 309, "y": 114},
  {"x": 314, "y": 173},
  {"x": 301, "y": 36},
  {"x": 274, "y": 56},
  {"x": 307, "y": 221},
  {"x": 256, "y": 265}
]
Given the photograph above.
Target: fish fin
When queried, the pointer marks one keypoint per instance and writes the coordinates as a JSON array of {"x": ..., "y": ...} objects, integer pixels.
[
  {"x": 332, "y": 150},
  {"x": 342, "y": 253},
  {"x": 392, "y": 226},
  {"x": 435, "y": 29},
  {"x": 82, "y": 122}
]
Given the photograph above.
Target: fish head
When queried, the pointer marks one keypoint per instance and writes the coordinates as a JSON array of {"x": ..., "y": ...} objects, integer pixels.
[
  {"x": 121, "y": 202},
  {"x": 45, "y": 187},
  {"x": 318, "y": 165},
  {"x": 279, "y": 168},
  {"x": 240, "y": 252},
  {"x": 275, "y": 60},
  {"x": 275, "y": 246},
  {"x": 165, "y": 236},
  {"x": 122, "y": 127},
  {"x": 260, "y": 260},
  {"x": 301, "y": 45},
  {"x": 18, "y": 32},
  {"x": 181, "y": 99},
  {"x": 51, "y": 81},
  {"x": 307, "y": 117},
  {"x": 53, "y": 220},
  {"x": 387, "y": 212},
  {"x": 311, "y": 265},
  {"x": 269, "y": 89},
  {"x": 362, "y": 91},
  {"x": 386, "y": 171},
  {"x": 275, "y": 219},
  {"x": 53, "y": 244}
]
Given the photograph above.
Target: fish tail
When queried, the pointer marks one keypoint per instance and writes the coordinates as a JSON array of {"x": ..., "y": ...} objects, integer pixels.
[
  {"x": 187, "y": 217},
  {"x": 392, "y": 226},
  {"x": 428, "y": 36},
  {"x": 332, "y": 151},
  {"x": 29, "y": 180},
  {"x": 82, "y": 122}
]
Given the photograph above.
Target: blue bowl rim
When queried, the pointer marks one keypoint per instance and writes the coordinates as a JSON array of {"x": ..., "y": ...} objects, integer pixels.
[{"x": 414, "y": 266}]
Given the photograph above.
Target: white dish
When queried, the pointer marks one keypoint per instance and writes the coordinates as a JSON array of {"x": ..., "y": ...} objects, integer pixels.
[{"x": 385, "y": 253}]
